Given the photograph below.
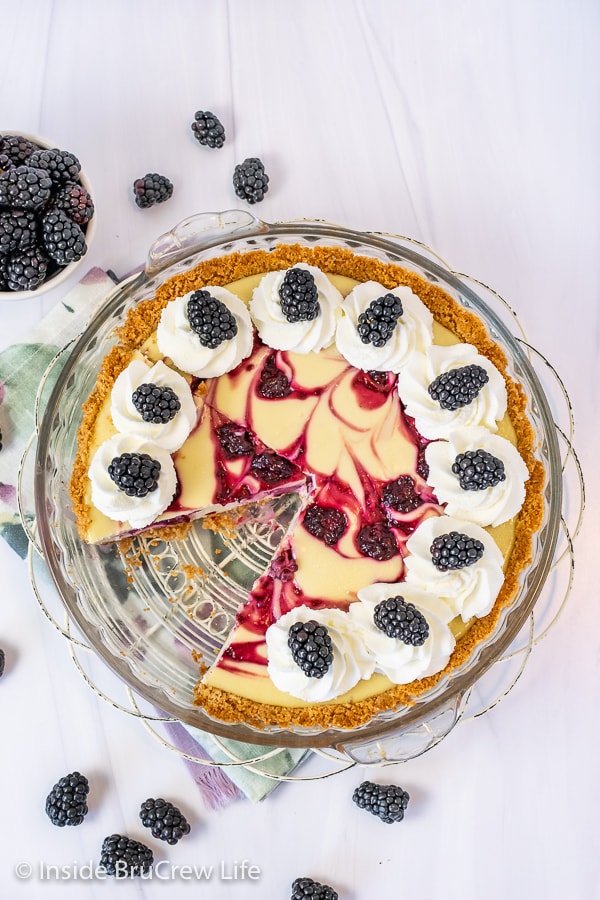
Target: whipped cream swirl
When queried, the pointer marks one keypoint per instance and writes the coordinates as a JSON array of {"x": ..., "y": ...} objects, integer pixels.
[
  {"x": 492, "y": 505},
  {"x": 177, "y": 339},
  {"x": 115, "y": 503},
  {"x": 126, "y": 418},
  {"x": 299, "y": 337},
  {"x": 467, "y": 592},
  {"x": 413, "y": 332},
  {"x": 403, "y": 663},
  {"x": 431, "y": 420},
  {"x": 351, "y": 659}
]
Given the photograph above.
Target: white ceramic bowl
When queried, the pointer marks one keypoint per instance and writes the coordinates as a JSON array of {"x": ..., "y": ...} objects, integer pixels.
[{"x": 63, "y": 272}]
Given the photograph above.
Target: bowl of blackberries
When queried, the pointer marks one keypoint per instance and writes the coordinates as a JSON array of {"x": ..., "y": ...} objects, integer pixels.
[{"x": 46, "y": 215}]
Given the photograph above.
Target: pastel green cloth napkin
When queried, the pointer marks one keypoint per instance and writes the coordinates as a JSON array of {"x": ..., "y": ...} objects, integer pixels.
[{"x": 22, "y": 367}]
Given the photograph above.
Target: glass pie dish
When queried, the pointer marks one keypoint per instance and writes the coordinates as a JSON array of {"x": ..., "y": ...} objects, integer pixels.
[{"x": 143, "y": 606}]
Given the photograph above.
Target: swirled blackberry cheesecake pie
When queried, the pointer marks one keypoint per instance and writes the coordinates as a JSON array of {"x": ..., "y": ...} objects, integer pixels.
[{"x": 386, "y": 406}]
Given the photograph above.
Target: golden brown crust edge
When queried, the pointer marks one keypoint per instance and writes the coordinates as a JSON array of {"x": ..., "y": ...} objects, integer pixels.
[{"x": 143, "y": 320}]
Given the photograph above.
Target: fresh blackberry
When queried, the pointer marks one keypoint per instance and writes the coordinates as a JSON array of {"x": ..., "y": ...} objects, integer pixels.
[
  {"x": 307, "y": 889},
  {"x": 377, "y": 541},
  {"x": 455, "y": 551},
  {"x": 401, "y": 494},
  {"x": 270, "y": 467},
  {"x": 26, "y": 269},
  {"x": 136, "y": 474},
  {"x": 208, "y": 130},
  {"x": 61, "y": 165},
  {"x": 155, "y": 404},
  {"x": 63, "y": 239},
  {"x": 299, "y": 296},
  {"x": 17, "y": 230},
  {"x": 387, "y": 801},
  {"x": 478, "y": 470},
  {"x": 2, "y": 654},
  {"x": 376, "y": 324},
  {"x": 75, "y": 201},
  {"x": 250, "y": 181},
  {"x": 311, "y": 647},
  {"x": 25, "y": 188},
  {"x": 4, "y": 261},
  {"x": 66, "y": 803},
  {"x": 402, "y": 620},
  {"x": 17, "y": 148},
  {"x": 123, "y": 857},
  {"x": 151, "y": 189},
  {"x": 212, "y": 321},
  {"x": 273, "y": 384},
  {"x": 165, "y": 821},
  {"x": 6, "y": 162},
  {"x": 325, "y": 523},
  {"x": 235, "y": 440},
  {"x": 458, "y": 387}
]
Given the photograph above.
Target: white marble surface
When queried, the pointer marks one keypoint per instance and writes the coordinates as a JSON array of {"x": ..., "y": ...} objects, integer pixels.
[{"x": 473, "y": 127}]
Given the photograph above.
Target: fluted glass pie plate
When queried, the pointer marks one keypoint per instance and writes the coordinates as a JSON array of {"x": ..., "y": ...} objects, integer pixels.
[{"x": 145, "y": 609}]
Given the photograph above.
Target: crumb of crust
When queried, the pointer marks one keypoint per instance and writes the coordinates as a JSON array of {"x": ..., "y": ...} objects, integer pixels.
[{"x": 223, "y": 523}]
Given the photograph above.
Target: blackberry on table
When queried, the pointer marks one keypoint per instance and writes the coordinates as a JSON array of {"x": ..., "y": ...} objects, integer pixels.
[
  {"x": 273, "y": 384},
  {"x": 387, "y": 801},
  {"x": 63, "y": 239},
  {"x": 377, "y": 541},
  {"x": 325, "y": 523},
  {"x": 2, "y": 654},
  {"x": 311, "y": 647},
  {"x": 125, "y": 858},
  {"x": 212, "y": 321},
  {"x": 17, "y": 230},
  {"x": 307, "y": 889},
  {"x": 458, "y": 387},
  {"x": 455, "y": 551},
  {"x": 401, "y": 494},
  {"x": 75, "y": 201},
  {"x": 61, "y": 165},
  {"x": 26, "y": 269},
  {"x": 155, "y": 404},
  {"x": 478, "y": 470},
  {"x": 250, "y": 181},
  {"x": 235, "y": 440},
  {"x": 66, "y": 804},
  {"x": 376, "y": 324},
  {"x": 136, "y": 474},
  {"x": 152, "y": 188},
  {"x": 208, "y": 130},
  {"x": 299, "y": 296},
  {"x": 270, "y": 467},
  {"x": 25, "y": 187},
  {"x": 402, "y": 620},
  {"x": 17, "y": 148},
  {"x": 166, "y": 822}
]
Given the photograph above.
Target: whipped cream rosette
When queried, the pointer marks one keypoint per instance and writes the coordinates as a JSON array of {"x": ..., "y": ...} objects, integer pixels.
[
  {"x": 301, "y": 336},
  {"x": 404, "y": 662},
  {"x": 177, "y": 339},
  {"x": 412, "y": 333},
  {"x": 114, "y": 502},
  {"x": 432, "y": 420},
  {"x": 467, "y": 591},
  {"x": 351, "y": 659},
  {"x": 485, "y": 506},
  {"x": 169, "y": 435}
]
